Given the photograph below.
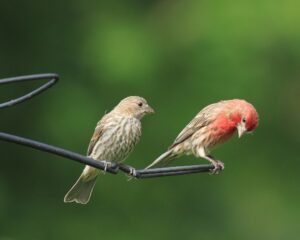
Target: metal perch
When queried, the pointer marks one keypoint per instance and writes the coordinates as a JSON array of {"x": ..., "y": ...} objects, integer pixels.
[{"x": 113, "y": 168}]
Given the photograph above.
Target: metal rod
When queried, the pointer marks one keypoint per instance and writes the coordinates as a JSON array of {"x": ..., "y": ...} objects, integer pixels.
[
  {"x": 140, "y": 174},
  {"x": 173, "y": 171},
  {"x": 166, "y": 172},
  {"x": 57, "y": 151},
  {"x": 53, "y": 79}
]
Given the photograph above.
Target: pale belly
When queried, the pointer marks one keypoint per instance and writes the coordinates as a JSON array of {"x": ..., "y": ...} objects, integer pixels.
[{"x": 118, "y": 141}]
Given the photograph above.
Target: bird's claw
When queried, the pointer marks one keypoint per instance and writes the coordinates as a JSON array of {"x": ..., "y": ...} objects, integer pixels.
[
  {"x": 218, "y": 166},
  {"x": 106, "y": 165},
  {"x": 132, "y": 174}
]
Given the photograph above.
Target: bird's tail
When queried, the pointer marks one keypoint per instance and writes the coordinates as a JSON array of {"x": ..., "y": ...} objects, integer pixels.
[
  {"x": 83, "y": 188},
  {"x": 163, "y": 159}
]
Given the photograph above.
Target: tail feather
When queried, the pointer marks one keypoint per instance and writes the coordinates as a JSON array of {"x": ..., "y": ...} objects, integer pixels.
[
  {"x": 81, "y": 190},
  {"x": 163, "y": 159}
]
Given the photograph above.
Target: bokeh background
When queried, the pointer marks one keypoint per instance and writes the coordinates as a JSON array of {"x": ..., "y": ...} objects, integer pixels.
[{"x": 180, "y": 56}]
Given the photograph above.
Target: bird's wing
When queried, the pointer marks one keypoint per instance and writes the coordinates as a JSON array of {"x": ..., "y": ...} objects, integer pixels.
[
  {"x": 202, "y": 119},
  {"x": 189, "y": 131},
  {"x": 186, "y": 133},
  {"x": 100, "y": 128}
]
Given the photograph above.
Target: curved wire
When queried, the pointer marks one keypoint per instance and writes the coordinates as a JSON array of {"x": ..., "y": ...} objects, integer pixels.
[
  {"x": 113, "y": 168},
  {"x": 103, "y": 165},
  {"x": 57, "y": 151},
  {"x": 166, "y": 171},
  {"x": 53, "y": 79}
]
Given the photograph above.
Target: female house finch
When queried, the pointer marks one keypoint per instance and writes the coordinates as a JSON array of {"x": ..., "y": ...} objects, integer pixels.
[
  {"x": 213, "y": 125},
  {"x": 114, "y": 138}
]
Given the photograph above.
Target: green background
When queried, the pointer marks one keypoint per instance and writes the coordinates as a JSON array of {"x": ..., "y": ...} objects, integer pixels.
[{"x": 180, "y": 56}]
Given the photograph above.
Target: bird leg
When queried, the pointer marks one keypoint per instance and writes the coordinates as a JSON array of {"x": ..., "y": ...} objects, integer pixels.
[
  {"x": 107, "y": 164},
  {"x": 218, "y": 165},
  {"x": 132, "y": 172}
]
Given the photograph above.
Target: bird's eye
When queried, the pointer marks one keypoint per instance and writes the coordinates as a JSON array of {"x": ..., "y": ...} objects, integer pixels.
[
  {"x": 244, "y": 120},
  {"x": 140, "y": 104}
]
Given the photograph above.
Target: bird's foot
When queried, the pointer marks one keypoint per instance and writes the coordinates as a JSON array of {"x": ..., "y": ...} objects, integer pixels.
[
  {"x": 218, "y": 166},
  {"x": 132, "y": 174},
  {"x": 107, "y": 164}
]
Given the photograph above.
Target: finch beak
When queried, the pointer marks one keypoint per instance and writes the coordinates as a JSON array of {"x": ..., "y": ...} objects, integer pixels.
[
  {"x": 241, "y": 128},
  {"x": 150, "y": 110}
]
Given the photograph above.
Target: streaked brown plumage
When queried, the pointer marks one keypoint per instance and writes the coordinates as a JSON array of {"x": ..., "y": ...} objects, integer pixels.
[
  {"x": 115, "y": 136},
  {"x": 213, "y": 125}
]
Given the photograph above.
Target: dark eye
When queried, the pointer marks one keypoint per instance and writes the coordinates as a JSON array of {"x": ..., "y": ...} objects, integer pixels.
[
  {"x": 244, "y": 120},
  {"x": 140, "y": 104}
]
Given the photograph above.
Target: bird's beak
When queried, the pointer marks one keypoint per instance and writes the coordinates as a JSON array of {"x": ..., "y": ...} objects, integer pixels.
[
  {"x": 149, "y": 110},
  {"x": 241, "y": 128}
]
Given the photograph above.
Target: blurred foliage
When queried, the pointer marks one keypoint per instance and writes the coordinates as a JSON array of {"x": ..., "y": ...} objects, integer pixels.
[{"x": 180, "y": 56}]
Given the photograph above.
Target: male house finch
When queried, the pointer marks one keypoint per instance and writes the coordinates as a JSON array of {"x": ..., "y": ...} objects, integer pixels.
[
  {"x": 213, "y": 125},
  {"x": 114, "y": 138}
]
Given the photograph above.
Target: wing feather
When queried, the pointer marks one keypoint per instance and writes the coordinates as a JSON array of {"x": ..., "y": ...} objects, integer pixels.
[
  {"x": 202, "y": 119},
  {"x": 99, "y": 130}
]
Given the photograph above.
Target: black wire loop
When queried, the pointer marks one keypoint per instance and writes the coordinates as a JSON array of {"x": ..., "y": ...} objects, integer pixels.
[
  {"x": 53, "y": 79},
  {"x": 111, "y": 168}
]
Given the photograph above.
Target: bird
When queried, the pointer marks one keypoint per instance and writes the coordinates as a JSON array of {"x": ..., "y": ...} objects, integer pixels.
[
  {"x": 213, "y": 125},
  {"x": 115, "y": 136}
]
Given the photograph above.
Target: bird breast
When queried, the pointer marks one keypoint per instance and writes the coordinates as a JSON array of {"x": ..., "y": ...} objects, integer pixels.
[{"x": 118, "y": 140}]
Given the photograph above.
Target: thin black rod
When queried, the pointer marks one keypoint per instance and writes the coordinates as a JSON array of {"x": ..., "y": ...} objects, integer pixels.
[
  {"x": 56, "y": 150},
  {"x": 53, "y": 79},
  {"x": 166, "y": 171},
  {"x": 140, "y": 174},
  {"x": 177, "y": 169}
]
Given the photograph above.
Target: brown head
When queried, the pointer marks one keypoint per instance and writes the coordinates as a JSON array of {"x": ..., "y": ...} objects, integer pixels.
[
  {"x": 244, "y": 116},
  {"x": 133, "y": 106}
]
